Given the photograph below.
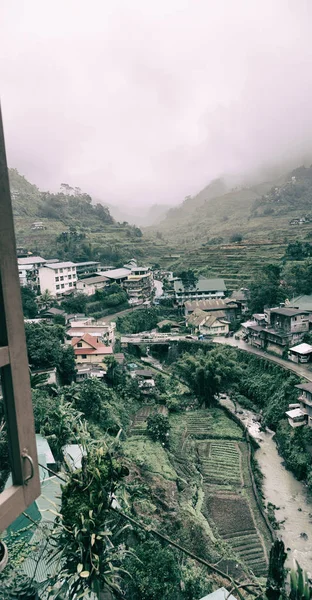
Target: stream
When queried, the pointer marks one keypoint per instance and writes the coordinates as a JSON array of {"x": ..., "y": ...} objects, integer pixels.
[{"x": 284, "y": 491}]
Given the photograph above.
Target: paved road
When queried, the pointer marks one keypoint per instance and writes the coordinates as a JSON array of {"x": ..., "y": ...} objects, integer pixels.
[{"x": 300, "y": 370}]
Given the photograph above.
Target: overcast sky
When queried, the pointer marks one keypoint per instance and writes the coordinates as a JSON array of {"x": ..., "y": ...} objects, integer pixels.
[{"x": 144, "y": 101}]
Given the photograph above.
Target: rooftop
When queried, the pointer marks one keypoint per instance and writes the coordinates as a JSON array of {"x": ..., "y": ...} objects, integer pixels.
[
  {"x": 60, "y": 265},
  {"x": 31, "y": 260},
  {"x": 288, "y": 312},
  {"x": 303, "y": 302},
  {"x": 306, "y": 387},
  {"x": 88, "y": 263},
  {"x": 220, "y": 594},
  {"x": 302, "y": 349},
  {"x": 296, "y": 412},
  {"x": 202, "y": 285},
  {"x": 116, "y": 273},
  {"x": 211, "y": 304},
  {"x": 95, "y": 279}
]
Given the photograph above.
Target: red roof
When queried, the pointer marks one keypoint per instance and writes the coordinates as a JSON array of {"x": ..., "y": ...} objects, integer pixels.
[{"x": 95, "y": 346}]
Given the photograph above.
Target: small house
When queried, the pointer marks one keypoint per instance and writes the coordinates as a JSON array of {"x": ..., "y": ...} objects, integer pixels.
[
  {"x": 305, "y": 400},
  {"x": 300, "y": 354},
  {"x": 296, "y": 417},
  {"x": 85, "y": 371},
  {"x": 88, "y": 349}
]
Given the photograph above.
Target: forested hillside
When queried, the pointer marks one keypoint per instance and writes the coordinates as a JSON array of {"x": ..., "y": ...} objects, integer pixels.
[{"x": 74, "y": 228}]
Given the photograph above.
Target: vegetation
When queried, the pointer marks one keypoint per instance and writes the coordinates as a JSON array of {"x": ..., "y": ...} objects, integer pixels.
[
  {"x": 158, "y": 428},
  {"x": 99, "y": 304},
  {"x": 136, "y": 321}
]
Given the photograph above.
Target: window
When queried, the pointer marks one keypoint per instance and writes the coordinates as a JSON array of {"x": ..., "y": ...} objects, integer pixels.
[
  {"x": 83, "y": 356},
  {"x": 57, "y": 287},
  {"x": 69, "y": 276},
  {"x": 14, "y": 369},
  {"x": 70, "y": 284},
  {"x": 56, "y": 270},
  {"x": 62, "y": 285},
  {"x": 57, "y": 278},
  {"x": 61, "y": 270},
  {"x": 61, "y": 278},
  {"x": 79, "y": 345}
]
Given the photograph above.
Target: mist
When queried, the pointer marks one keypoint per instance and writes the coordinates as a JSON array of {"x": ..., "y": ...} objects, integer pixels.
[{"x": 142, "y": 102}]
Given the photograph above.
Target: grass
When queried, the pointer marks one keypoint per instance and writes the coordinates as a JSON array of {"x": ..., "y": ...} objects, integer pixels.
[
  {"x": 211, "y": 423},
  {"x": 150, "y": 456}
]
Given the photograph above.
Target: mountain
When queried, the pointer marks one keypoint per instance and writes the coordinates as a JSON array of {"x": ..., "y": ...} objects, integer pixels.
[
  {"x": 138, "y": 215},
  {"x": 74, "y": 228},
  {"x": 265, "y": 211}
]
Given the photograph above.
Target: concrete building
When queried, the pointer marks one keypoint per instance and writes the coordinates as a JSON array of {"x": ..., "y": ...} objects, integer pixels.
[
  {"x": 139, "y": 287},
  {"x": 301, "y": 353},
  {"x": 87, "y": 268},
  {"x": 28, "y": 269},
  {"x": 305, "y": 400},
  {"x": 58, "y": 278},
  {"x": 116, "y": 275},
  {"x": 203, "y": 289},
  {"x": 89, "y": 285},
  {"x": 103, "y": 332}
]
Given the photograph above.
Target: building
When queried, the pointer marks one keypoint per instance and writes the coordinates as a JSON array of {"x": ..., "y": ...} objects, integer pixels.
[
  {"x": 303, "y": 302},
  {"x": 116, "y": 275},
  {"x": 139, "y": 287},
  {"x": 284, "y": 327},
  {"x": 88, "y": 349},
  {"x": 300, "y": 354},
  {"x": 203, "y": 289},
  {"x": 305, "y": 401},
  {"x": 90, "y": 285},
  {"x": 37, "y": 225},
  {"x": 296, "y": 417},
  {"x": 145, "y": 377},
  {"x": 58, "y": 278},
  {"x": 87, "y": 268},
  {"x": 227, "y": 305},
  {"x": 28, "y": 269},
  {"x": 213, "y": 324},
  {"x": 241, "y": 298},
  {"x": 103, "y": 332},
  {"x": 85, "y": 371}
]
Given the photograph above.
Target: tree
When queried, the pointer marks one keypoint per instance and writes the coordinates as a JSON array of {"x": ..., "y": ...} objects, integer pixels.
[
  {"x": 276, "y": 573},
  {"x": 45, "y": 301},
  {"x": 266, "y": 289},
  {"x": 188, "y": 278},
  {"x": 30, "y": 308},
  {"x": 67, "y": 365},
  {"x": 236, "y": 238},
  {"x": 44, "y": 344},
  {"x": 154, "y": 573},
  {"x": 158, "y": 427},
  {"x": 208, "y": 374}
]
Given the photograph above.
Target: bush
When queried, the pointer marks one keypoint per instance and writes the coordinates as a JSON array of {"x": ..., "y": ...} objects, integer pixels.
[{"x": 158, "y": 427}]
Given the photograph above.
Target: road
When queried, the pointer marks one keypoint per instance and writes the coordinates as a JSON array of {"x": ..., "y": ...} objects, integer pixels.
[{"x": 300, "y": 370}]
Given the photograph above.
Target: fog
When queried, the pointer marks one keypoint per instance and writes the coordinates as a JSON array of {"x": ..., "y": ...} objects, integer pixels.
[{"x": 141, "y": 102}]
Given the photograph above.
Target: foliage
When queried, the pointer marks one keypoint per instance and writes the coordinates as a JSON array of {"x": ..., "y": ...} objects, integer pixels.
[
  {"x": 293, "y": 447},
  {"x": 266, "y": 289},
  {"x": 86, "y": 537},
  {"x": 300, "y": 586},
  {"x": 154, "y": 573},
  {"x": 298, "y": 277},
  {"x": 276, "y": 573},
  {"x": 298, "y": 250},
  {"x": 236, "y": 238},
  {"x": 75, "y": 303},
  {"x": 30, "y": 308},
  {"x": 158, "y": 427},
  {"x": 101, "y": 405},
  {"x": 143, "y": 319},
  {"x": 56, "y": 419},
  {"x": 188, "y": 278},
  {"x": 67, "y": 365},
  {"x": 43, "y": 344},
  {"x": 207, "y": 374}
]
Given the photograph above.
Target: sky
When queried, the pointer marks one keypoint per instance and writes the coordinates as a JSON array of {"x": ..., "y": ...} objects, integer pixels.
[{"x": 139, "y": 102}]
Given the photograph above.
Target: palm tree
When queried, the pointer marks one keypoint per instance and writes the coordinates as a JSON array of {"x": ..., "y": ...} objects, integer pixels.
[{"x": 45, "y": 301}]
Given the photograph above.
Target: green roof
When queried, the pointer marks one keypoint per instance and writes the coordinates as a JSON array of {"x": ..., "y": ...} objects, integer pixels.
[
  {"x": 302, "y": 302},
  {"x": 202, "y": 285}
]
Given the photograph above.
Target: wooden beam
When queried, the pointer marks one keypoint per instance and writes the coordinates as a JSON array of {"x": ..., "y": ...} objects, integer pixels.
[{"x": 4, "y": 356}]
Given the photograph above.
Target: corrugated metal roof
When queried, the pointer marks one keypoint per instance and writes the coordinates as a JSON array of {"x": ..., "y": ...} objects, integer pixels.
[{"x": 202, "y": 285}]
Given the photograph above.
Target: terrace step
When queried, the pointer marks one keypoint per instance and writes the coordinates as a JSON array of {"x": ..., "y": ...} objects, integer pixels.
[{"x": 241, "y": 533}]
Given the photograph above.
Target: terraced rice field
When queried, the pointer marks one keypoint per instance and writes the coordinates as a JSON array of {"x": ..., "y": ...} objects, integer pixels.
[{"x": 221, "y": 458}]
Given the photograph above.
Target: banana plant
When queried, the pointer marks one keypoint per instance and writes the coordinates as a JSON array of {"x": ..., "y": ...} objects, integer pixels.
[{"x": 300, "y": 588}]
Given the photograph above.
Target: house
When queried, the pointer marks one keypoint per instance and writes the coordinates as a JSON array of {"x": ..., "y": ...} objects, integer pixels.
[
  {"x": 85, "y": 371},
  {"x": 88, "y": 349},
  {"x": 296, "y": 417},
  {"x": 50, "y": 313},
  {"x": 284, "y": 326},
  {"x": 220, "y": 594},
  {"x": 89, "y": 285},
  {"x": 227, "y": 305},
  {"x": 103, "y": 332},
  {"x": 37, "y": 225},
  {"x": 28, "y": 269},
  {"x": 305, "y": 400},
  {"x": 57, "y": 278},
  {"x": 145, "y": 378},
  {"x": 203, "y": 289},
  {"x": 213, "y": 323},
  {"x": 293, "y": 321},
  {"x": 241, "y": 298},
  {"x": 300, "y": 354},
  {"x": 169, "y": 325},
  {"x": 86, "y": 268}
]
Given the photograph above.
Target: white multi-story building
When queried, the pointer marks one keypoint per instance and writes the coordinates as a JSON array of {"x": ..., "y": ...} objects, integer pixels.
[
  {"x": 57, "y": 278},
  {"x": 28, "y": 269}
]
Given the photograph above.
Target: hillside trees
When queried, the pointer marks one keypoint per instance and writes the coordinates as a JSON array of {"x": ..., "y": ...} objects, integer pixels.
[
  {"x": 30, "y": 308},
  {"x": 207, "y": 374},
  {"x": 266, "y": 289},
  {"x": 44, "y": 345},
  {"x": 143, "y": 319}
]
